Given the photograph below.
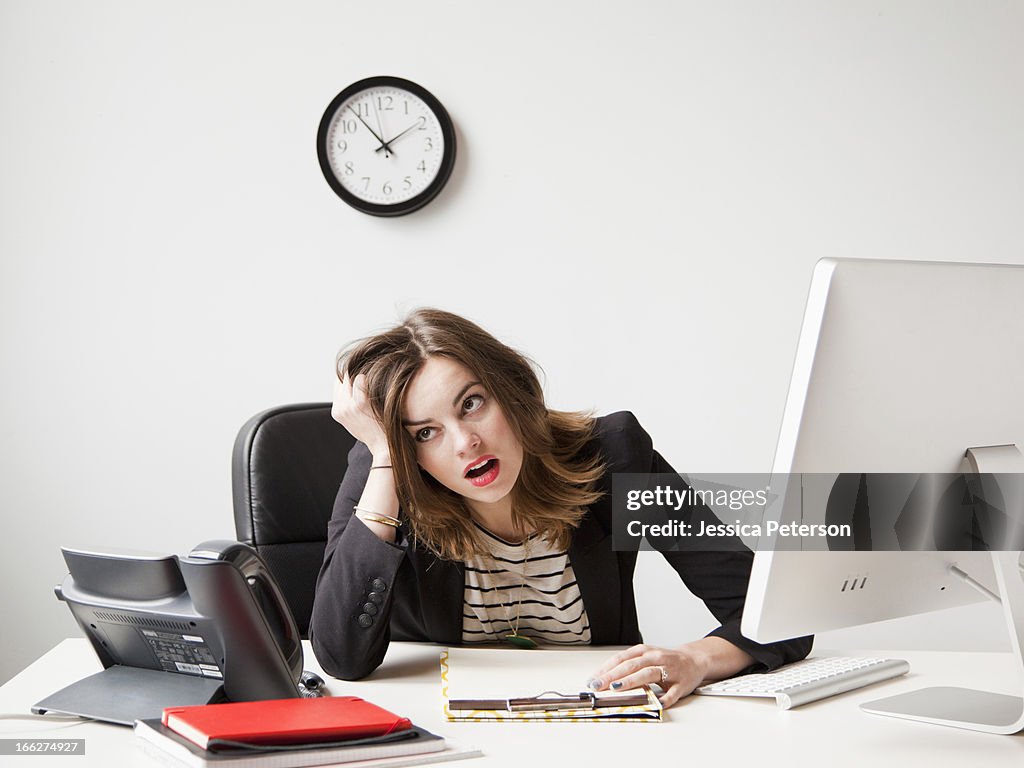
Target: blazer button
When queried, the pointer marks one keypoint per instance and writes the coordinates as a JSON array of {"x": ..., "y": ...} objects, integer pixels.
[
  {"x": 365, "y": 620},
  {"x": 379, "y": 585},
  {"x": 370, "y": 608},
  {"x": 376, "y": 597}
]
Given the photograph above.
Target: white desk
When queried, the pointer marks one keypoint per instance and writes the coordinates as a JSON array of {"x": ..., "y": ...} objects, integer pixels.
[{"x": 699, "y": 731}]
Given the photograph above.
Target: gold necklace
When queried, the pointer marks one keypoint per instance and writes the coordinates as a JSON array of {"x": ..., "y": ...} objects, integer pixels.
[{"x": 514, "y": 638}]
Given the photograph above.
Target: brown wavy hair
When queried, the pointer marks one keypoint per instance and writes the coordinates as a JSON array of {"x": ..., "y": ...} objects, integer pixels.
[{"x": 558, "y": 477}]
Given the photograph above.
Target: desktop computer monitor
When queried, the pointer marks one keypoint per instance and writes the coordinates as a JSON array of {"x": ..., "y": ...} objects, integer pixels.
[{"x": 901, "y": 367}]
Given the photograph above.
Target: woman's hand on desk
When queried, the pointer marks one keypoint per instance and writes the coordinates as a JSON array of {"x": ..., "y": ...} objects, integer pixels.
[
  {"x": 643, "y": 665},
  {"x": 677, "y": 670}
]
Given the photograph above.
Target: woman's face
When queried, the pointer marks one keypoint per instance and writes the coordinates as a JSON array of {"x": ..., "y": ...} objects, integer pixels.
[{"x": 462, "y": 438}]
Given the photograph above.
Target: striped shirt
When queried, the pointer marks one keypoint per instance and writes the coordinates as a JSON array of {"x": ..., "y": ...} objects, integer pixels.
[{"x": 530, "y": 586}]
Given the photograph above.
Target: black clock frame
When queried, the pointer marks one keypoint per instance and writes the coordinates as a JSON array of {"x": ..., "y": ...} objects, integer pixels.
[{"x": 447, "y": 158}]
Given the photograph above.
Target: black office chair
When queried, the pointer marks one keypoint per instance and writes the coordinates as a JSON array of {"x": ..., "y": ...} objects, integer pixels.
[{"x": 286, "y": 467}]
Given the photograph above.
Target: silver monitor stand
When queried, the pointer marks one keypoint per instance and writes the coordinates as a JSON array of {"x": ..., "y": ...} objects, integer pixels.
[{"x": 966, "y": 707}]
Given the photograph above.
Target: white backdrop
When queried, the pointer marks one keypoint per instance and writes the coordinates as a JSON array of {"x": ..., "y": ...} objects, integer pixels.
[{"x": 641, "y": 191}]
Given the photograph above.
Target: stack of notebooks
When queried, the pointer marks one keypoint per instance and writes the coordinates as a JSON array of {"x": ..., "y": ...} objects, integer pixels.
[{"x": 290, "y": 733}]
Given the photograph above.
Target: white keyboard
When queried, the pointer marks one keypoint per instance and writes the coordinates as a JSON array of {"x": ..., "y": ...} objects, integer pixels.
[{"x": 810, "y": 679}]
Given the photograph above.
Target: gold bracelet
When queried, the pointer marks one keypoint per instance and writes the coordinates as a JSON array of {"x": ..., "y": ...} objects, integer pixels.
[
  {"x": 357, "y": 508},
  {"x": 381, "y": 466},
  {"x": 377, "y": 517},
  {"x": 370, "y": 517}
]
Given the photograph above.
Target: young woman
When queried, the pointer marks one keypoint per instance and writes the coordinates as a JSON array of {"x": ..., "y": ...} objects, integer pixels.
[{"x": 472, "y": 513}]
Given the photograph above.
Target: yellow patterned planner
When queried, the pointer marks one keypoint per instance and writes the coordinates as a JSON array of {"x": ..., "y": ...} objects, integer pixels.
[{"x": 536, "y": 685}]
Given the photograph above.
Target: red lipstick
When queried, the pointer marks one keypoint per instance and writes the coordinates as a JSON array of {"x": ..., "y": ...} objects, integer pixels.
[{"x": 483, "y": 471}]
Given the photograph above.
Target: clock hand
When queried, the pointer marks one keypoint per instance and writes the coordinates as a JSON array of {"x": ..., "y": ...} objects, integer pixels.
[
  {"x": 380, "y": 127},
  {"x": 396, "y": 138},
  {"x": 378, "y": 138}
]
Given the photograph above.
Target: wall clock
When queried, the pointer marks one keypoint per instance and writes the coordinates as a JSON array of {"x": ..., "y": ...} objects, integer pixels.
[{"x": 386, "y": 146}]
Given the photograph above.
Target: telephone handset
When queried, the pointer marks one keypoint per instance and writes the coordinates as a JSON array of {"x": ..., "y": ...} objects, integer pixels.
[
  {"x": 264, "y": 589},
  {"x": 175, "y": 631}
]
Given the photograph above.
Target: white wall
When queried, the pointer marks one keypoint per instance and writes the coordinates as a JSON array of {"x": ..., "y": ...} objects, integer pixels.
[{"x": 641, "y": 191}]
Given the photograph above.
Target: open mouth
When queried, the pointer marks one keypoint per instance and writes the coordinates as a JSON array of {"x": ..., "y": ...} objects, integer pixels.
[
  {"x": 483, "y": 473},
  {"x": 481, "y": 468}
]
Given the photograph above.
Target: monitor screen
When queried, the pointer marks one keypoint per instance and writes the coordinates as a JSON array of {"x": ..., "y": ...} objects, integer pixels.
[{"x": 901, "y": 367}]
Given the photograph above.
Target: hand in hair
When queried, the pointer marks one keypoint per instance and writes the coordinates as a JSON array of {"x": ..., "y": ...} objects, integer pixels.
[{"x": 352, "y": 410}]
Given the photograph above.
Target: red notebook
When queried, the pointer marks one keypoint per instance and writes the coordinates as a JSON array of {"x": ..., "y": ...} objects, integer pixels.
[{"x": 284, "y": 721}]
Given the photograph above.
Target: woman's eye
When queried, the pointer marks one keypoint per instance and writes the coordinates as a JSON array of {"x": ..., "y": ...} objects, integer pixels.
[
  {"x": 472, "y": 403},
  {"x": 424, "y": 434}
]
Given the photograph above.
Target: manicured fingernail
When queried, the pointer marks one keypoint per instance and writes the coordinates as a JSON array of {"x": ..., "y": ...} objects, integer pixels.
[
  {"x": 594, "y": 684},
  {"x": 617, "y": 684}
]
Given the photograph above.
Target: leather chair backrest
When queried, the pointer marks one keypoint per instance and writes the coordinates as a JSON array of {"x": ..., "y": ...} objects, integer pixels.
[{"x": 286, "y": 467}]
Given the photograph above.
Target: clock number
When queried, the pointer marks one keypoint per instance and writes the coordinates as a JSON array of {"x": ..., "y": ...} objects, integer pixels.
[
  {"x": 406, "y": 102},
  {"x": 423, "y": 123},
  {"x": 429, "y": 145},
  {"x": 366, "y": 183},
  {"x": 407, "y": 183},
  {"x": 342, "y": 146},
  {"x": 386, "y": 188},
  {"x": 349, "y": 169},
  {"x": 348, "y": 126},
  {"x": 422, "y": 167},
  {"x": 362, "y": 109},
  {"x": 384, "y": 100}
]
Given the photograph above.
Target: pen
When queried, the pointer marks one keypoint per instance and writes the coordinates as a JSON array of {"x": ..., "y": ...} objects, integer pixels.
[{"x": 546, "y": 702}]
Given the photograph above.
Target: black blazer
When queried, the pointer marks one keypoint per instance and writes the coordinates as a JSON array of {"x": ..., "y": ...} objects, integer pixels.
[{"x": 370, "y": 591}]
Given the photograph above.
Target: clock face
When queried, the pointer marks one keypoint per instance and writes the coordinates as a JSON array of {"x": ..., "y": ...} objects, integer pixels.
[{"x": 386, "y": 146}]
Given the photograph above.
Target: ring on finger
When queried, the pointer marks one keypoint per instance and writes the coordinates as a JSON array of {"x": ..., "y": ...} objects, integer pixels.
[{"x": 664, "y": 675}]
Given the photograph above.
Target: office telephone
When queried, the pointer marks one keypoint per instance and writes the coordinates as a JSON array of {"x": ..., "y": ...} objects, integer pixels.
[{"x": 213, "y": 626}]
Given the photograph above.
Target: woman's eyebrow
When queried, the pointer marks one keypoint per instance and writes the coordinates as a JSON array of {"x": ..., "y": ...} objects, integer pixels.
[{"x": 455, "y": 402}]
